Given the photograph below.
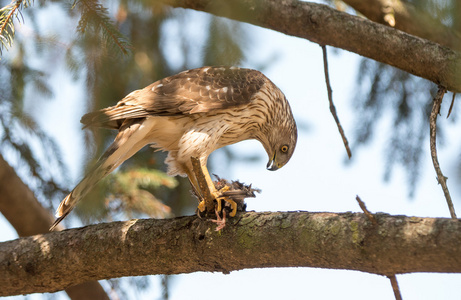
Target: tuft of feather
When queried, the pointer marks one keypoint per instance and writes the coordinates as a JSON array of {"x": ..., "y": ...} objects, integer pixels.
[{"x": 63, "y": 210}]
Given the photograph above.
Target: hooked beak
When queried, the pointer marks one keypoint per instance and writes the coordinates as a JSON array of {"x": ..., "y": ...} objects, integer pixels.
[{"x": 271, "y": 164}]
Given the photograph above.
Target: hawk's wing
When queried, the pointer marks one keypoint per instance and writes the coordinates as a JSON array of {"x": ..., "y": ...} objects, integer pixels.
[{"x": 194, "y": 91}]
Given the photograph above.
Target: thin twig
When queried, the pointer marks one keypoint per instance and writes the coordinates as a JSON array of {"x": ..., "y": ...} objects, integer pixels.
[
  {"x": 395, "y": 287},
  {"x": 433, "y": 131},
  {"x": 330, "y": 99},
  {"x": 204, "y": 190},
  {"x": 366, "y": 211},
  {"x": 451, "y": 105}
]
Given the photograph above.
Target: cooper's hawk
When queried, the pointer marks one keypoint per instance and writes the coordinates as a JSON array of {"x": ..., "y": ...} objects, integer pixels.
[{"x": 191, "y": 114}]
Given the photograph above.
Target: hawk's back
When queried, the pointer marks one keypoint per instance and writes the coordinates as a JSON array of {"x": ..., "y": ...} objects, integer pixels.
[{"x": 200, "y": 90}]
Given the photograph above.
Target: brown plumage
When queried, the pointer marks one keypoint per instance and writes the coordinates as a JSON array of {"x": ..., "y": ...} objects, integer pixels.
[{"x": 190, "y": 114}]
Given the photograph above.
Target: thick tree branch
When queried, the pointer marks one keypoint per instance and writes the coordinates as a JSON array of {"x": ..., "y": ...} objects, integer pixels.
[
  {"x": 326, "y": 26},
  {"x": 398, "y": 244},
  {"x": 408, "y": 18},
  {"x": 28, "y": 217},
  {"x": 19, "y": 205}
]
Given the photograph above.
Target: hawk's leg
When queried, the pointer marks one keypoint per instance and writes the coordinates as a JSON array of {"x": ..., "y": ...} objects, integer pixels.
[
  {"x": 201, "y": 206},
  {"x": 218, "y": 194},
  {"x": 205, "y": 189},
  {"x": 197, "y": 190}
]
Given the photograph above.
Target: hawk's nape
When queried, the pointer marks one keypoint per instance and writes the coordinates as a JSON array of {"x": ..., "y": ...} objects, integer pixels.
[{"x": 191, "y": 114}]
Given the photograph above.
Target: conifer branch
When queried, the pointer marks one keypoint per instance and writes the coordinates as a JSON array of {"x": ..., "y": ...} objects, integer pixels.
[
  {"x": 7, "y": 16},
  {"x": 95, "y": 17}
]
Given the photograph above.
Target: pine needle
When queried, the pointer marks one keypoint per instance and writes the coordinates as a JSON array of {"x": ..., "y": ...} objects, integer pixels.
[
  {"x": 95, "y": 18},
  {"x": 7, "y": 15}
]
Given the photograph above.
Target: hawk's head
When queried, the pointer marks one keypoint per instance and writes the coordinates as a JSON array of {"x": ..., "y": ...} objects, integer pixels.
[
  {"x": 281, "y": 145},
  {"x": 280, "y": 135}
]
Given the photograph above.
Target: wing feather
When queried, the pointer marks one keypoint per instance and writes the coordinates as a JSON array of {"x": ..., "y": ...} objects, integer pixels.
[{"x": 194, "y": 91}]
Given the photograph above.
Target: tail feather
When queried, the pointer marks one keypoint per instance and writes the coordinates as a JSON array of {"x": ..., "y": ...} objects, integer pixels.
[
  {"x": 129, "y": 140},
  {"x": 58, "y": 220},
  {"x": 84, "y": 186},
  {"x": 66, "y": 205}
]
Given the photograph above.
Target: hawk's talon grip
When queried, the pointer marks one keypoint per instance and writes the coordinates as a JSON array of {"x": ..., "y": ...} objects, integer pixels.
[
  {"x": 201, "y": 206},
  {"x": 233, "y": 205}
]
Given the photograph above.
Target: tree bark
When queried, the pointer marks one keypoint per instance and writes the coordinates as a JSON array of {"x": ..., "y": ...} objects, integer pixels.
[
  {"x": 326, "y": 26},
  {"x": 397, "y": 244},
  {"x": 28, "y": 217},
  {"x": 408, "y": 18},
  {"x": 19, "y": 205}
]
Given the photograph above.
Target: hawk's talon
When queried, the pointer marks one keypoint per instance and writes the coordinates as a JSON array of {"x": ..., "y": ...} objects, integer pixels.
[
  {"x": 233, "y": 205},
  {"x": 219, "y": 204},
  {"x": 219, "y": 197},
  {"x": 201, "y": 206},
  {"x": 224, "y": 189}
]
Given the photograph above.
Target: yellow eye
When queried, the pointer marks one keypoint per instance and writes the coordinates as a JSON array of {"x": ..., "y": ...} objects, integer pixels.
[{"x": 284, "y": 148}]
